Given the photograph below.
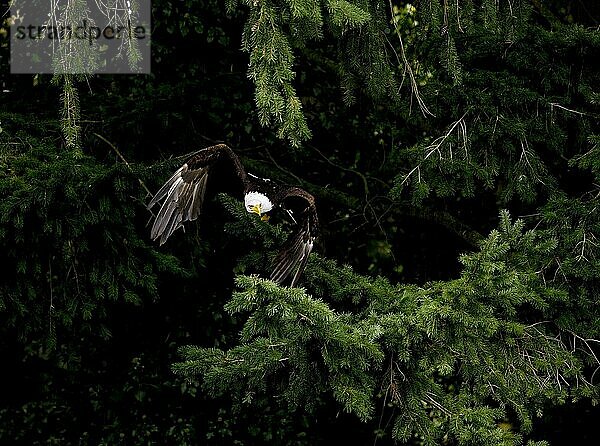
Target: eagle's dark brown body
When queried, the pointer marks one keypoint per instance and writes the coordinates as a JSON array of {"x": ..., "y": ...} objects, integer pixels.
[{"x": 183, "y": 195}]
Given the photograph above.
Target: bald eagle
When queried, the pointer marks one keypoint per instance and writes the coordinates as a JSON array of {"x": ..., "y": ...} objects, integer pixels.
[{"x": 182, "y": 196}]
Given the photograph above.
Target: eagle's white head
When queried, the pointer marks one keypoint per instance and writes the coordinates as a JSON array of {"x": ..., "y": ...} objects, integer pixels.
[{"x": 257, "y": 203}]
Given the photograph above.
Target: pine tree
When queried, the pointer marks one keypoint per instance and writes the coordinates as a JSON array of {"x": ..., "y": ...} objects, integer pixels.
[
  {"x": 53, "y": 210},
  {"x": 427, "y": 121},
  {"x": 452, "y": 358}
]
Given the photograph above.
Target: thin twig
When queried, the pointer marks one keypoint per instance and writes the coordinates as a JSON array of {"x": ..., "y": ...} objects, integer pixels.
[
  {"x": 408, "y": 68},
  {"x": 112, "y": 146}
]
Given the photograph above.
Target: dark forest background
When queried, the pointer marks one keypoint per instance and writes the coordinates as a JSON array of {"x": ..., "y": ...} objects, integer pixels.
[{"x": 92, "y": 313}]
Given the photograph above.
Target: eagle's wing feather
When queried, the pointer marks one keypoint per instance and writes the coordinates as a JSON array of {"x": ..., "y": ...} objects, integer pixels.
[
  {"x": 183, "y": 193},
  {"x": 291, "y": 259}
]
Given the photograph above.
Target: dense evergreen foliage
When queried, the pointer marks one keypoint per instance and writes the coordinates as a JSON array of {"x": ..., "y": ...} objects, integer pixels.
[{"x": 454, "y": 150}]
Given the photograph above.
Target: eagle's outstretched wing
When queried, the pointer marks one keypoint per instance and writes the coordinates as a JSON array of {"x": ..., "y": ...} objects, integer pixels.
[
  {"x": 291, "y": 259},
  {"x": 183, "y": 193}
]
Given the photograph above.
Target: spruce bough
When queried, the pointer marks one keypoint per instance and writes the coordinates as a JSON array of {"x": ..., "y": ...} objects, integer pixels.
[{"x": 450, "y": 359}]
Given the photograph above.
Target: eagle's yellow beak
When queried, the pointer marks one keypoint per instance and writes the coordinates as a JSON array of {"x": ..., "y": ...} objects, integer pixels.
[{"x": 257, "y": 209}]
